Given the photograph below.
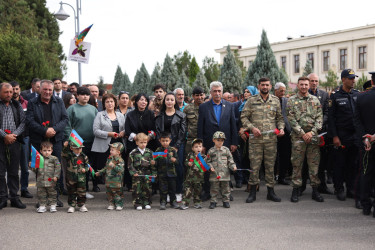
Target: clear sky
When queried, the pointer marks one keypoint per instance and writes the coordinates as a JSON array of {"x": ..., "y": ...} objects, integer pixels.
[{"x": 127, "y": 33}]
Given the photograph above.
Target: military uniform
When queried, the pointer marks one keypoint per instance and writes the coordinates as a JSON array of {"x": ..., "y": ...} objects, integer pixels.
[
  {"x": 167, "y": 174},
  {"x": 304, "y": 115},
  {"x": 141, "y": 164},
  {"x": 193, "y": 181},
  {"x": 45, "y": 185},
  {"x": 75, "y": 179},
  {"x": 265, "y": 116},
  {"x": 191, "y": 112}
]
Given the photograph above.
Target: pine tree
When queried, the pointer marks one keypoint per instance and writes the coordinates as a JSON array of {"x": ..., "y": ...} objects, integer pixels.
[
  {"x": 264, "y": 65},
  {"x": 101, "y": 84},
  {"x": 135, "y": 87},
  {"x": 169, "y": 76},
  {"x": 308, "y": 68},
  {"x": 116, "y": 87},
  {"x": 183, "y": 82},
  {"x": 193, "y": 70},
  {"x": 182, "y": 62},
  {"x": 155, "y": 77},
  {"x": 211, "y": 69},
  {"x": 144, "y": 80},
  {"x": 201, "y": 81},
  {"x": 126, "y": 83},
  {"x": 331, "y": 80},
  {"x": 230, "y": 74}
]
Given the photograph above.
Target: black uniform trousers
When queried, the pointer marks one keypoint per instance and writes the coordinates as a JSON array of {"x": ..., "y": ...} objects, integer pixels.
[{"x": 11, "y": 182}]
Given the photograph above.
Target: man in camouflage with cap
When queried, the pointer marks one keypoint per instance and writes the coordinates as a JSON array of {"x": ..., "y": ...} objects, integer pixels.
[
  {"x": 306, "y": 118},
  {"x": 220, "y": 160},
  {"x": 261, "y": 115},
  {"x": 113, "y": 171},
  {"x": 78, "y": 165}
]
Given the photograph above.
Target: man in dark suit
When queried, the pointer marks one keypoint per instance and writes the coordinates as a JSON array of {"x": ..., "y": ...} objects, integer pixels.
[
  {"x": 47, "y": 108},
  {"x": 216, "y": 115},
  {"x": 95, "y": 93},
  {"x": 58, "y": 91},
  {"x": 35, "y": 85}
]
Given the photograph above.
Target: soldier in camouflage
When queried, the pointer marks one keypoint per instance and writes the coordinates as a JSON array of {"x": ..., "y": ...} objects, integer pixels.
[
  {"x": 47, "y": 178},
  {"x": 141, "y": 163},
  {"x": 306, "y": 118},
  {"x": 261, "y": 115},
  {"x": 220, "y": 160},
  {"x": 78, "y": 165},
  {"x": 114, "y": 170}
]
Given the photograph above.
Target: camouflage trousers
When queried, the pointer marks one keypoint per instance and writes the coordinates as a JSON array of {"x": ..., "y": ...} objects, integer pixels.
[
  {"x": 115, "y": 196},
  {"x": 312, "y": 152},
  {"x": 257, "y": 153},
  {"x": 76, "y": 193},
  {"x": 142, "y": 191},
  {"x": 167, "y": 185},
  {"x": 192, "y": 189},
  {"x": 47, "y": 196},
  {"x": 221, "y": 187}
]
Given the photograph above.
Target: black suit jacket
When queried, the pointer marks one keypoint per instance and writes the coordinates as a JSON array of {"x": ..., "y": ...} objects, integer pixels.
[
  {"x": 208, "y": 125},
  {"x": 323, "y": 99},
  {"x": 25, "y": 93},
  {"x": 62, "y": 94},
  {"x": 31, "y": 96},
  {"x": 100, "y": 105},
  {"x": 364, "y": 118}
]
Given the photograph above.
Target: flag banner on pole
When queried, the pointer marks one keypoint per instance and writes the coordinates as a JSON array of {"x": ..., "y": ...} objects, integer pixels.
[
  {"x": 75, "y": 138},
  {"x": 37, "y": 160},
  {"x": 201, "y": 164}
]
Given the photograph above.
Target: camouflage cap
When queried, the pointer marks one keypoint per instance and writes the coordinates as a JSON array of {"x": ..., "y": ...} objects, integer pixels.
[
  {"x": 197, "y": 140},
  {"x": 219, "y": 135},
  {"x": 73, "y": 145},
  {"x": 118, "y": 146}
]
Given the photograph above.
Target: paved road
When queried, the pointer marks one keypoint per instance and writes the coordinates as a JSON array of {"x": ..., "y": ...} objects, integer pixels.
[{"x": 261, "y": 225}]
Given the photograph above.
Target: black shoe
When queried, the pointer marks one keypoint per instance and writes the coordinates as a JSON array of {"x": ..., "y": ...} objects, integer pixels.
[
  {"x": 3, "y": 204},
  {"x": 283, "y": 182},
  {"x": 37, "y": 205},
  {"x": 329, "y": 180},
  {"x": 350, "y": 194},
  {"x": 231, "y": 197},
  {"x": 301, "y": 190},
  {"x": 239, "y": 184},
  {"x": 96, "y": 189},
  {"x": 17, "y": 203},
  {"x": 206, "y": 197},
  {"x": 59, "y": 203},
  {"x": 340, "y": 194},
  {"x": 162, "y": 206},
  {"x": 212, "y": 205},
  {"x": 26, "y": 194},
  {"x": 295, "y": 195},
  {"x": 226, "y": 204},
  {"x": 323, "y": 189},
  {"x": 252, "y": 196},
  {"x": 358, "y": 204},
  {"x": 316, "y": 195},
  {"x": 366, "y": 210},
  {"x": 271, "y": 195}
]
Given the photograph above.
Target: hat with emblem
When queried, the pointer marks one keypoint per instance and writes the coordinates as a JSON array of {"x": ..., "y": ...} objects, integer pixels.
[
  {"x": 219, "y": 135},
  {"x": 73, "y": 145},
  {"x": 348, "y": 73},
  {"x": 197, "y": 140},
  {"x": 118, "y": 146}
]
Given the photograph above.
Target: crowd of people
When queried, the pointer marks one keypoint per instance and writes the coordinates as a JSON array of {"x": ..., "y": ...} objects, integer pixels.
[{"x": 187, "y": 147}]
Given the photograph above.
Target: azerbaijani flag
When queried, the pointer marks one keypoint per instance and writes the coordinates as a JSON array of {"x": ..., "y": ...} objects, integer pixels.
[
  {"x": 159, "y": 154},
  {"x": 200, "y": 163},
  {"x": 37, "y": 160},
  {"x": 151, "y": 178},
  {"x": 91, "y": 170},
  {"x": 75, "y": 138},
  {"x": 82, "y": 35}
]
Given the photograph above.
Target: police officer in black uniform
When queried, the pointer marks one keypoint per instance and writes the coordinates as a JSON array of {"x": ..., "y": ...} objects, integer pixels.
[{"x": 341, "y": 129}]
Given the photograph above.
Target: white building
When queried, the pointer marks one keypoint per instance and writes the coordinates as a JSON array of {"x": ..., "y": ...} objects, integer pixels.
[{"x": 352, "y": 48}]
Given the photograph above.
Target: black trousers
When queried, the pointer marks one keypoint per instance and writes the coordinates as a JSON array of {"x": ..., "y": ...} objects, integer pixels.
[
  {"x": 283, "y": 165},
  {"x": 100, "y": 159},
  {"x": 167, "y": 185},
  {"x": 11, "y": 183},
  {"x": 346, "y": 168},
  {"x": 367, "y": 162},
  {"x": 127, "y": 177}
]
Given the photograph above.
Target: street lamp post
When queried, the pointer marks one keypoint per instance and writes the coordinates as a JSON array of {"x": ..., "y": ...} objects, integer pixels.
[{"x": 62, "y": 15}]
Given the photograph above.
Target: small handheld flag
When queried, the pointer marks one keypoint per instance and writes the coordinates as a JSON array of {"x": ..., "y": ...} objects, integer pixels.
[
  {"x": 149, "y": 177},
  {"x": 159, "y": 155},
  {"x": 201, "y": 164},
  {"x": 75, "y": 138},
  {"x": 37, "y": 160},
  {"x": 91, "y": 170}
]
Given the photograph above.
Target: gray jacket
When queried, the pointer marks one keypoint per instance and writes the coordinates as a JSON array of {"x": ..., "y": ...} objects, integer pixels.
[{"x": 102, "y": 125}]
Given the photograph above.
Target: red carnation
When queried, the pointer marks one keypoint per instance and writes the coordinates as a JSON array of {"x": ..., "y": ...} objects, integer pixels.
[
  {"x": 47, "y": 122},
  {"x": 191, "y": 160},
  {"x": 149, "y": 132},
  {"x": 208, "y": 156},
  {"x": 7, "y": 131},
  {"x": 49, "y": 179},
  {"x": 44, "y": 124},
  {"x": 166, "y": 151},
  {"x": 322, "y": 142},
  {"x": 247, "y": 134},
  {"x": 218, "y": 177},
  {"x": 79, "y": 162},
  {"x": 342, "y": 146},
  {"x": 115, "y": 134},
  {"x": 276, "y": 131}
]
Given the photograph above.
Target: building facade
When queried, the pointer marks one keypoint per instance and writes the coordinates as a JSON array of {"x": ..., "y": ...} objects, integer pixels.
[{"x": 352, "y": 48}]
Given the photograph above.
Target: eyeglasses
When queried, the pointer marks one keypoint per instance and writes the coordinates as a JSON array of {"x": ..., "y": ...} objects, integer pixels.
[{"x": 124, "y": 92}]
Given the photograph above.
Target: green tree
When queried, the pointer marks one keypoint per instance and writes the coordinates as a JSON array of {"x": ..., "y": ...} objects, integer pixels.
[
  {"x": 182, "y": 62},
  {"x": 101, "y": 84},
  {"x": 142, "y": 80},
  {"x": 331, "y": 80},
  {"x": 193, "y": 70},
  {"x": 116, "y": 87},
  {"x": 126, "y": 83},
  {"x": 230, "y": 74},
  {"x": 361, "y": 81},
  {"x": 183, "y": 82},
  {"x": 308, "y": 68},
  {"x": 155, "y": 76},
  {"x": 169, "y": 76},
  {"x": 211, "y": 69},
  {"x": 201, "y": 81},
  {"x": 240, "y": 63},
  {"x": 264, "y": 65}
]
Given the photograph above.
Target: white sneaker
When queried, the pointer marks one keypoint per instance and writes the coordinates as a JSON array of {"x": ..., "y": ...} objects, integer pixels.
[
  {"x": 71, "y": 210},
  {"x": 147, "y": 207},
  {"x": 168, "y": 199},
  {"x": 139, "y": 208},
  {"x": 178, "y": 197},
  {"x": 110, "y": 207},
  {"x": 118, "y": 208},
  {"x": 83, "y": 209},
  {"x": 89, "y": 196},
  {"x": 53, "y": 209},
  {"x": 41, "y": 209}
]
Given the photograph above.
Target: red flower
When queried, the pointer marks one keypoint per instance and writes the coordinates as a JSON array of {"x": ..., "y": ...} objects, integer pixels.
[
  {"x": 369, "y": 136},
  {"x": 115, "y": 134},
  {"x": 208, "y": 156},
  {"x": 191, "y": 160},
  {"x": 276, "y": 131},
  {"x": 166, "y": 151},
  {"x": 7, "y": 131},
  {"x": 44, "y": 124},
  {"x": 247, "y": 134},
  {"x": 322, "y": 142},
  {"x": 342, "y": 146},
  {"x": 47, "y": 122},
  {"x": 49, "y": 179},
  {"x": 79, "y": 162},
  {"x": 218, "y": 177}
]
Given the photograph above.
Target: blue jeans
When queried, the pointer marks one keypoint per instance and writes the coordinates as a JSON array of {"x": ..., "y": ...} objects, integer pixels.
[
  {"x": 180, "y": 169},
  {"x": 24, "y": 163}
]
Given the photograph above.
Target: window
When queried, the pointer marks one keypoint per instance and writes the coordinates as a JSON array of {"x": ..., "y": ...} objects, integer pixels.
[
  {"x": 296, "y": 63},
  {"x": 283, "y": 62},
  {"x": 310, "y": 57},
  {"x": 362, "y": 52},
  {"x": 250, "y": 62},
  {"x": 325, "y": 60},
  {"x": 343, "y": 58}
]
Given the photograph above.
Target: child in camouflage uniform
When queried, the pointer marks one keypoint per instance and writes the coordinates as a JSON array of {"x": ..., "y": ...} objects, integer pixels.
[
  {"x": 114, "y": 170},
  {"x": 220, "y": 160},
  {"x": 47, "y": 178},
  {"x": 78, "y": 165},
  {"x": 194, "y": 177},
  {"x": 141, "y": 165},
  {"x": 166, "y": 167}
]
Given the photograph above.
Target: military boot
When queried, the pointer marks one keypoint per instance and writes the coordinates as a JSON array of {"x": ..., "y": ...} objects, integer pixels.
[
  {"x": 316, "y": 195},
  {"x": 271, "y": 195},
  {"x": 212, "y": 205},
  {"x": 295, "y": 194},
  {"x": 253, "y": 194}
]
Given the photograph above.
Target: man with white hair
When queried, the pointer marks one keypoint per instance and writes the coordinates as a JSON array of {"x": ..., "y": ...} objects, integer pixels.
[{"x": 180, "y": 96}]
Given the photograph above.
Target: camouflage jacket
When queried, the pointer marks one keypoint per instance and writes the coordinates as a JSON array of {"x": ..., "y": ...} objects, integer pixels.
[
  {"x": 191, "y": 112},
  {"x": 164, "y": 165},
  {"x": 304, "y": 115},
  {"x": 193, "y": 173},
  {"x": 44, "y": 176},
  {"x": 263, "y": 115},
  {"x": 74, "y": 170},
  {"x": 141, "y": 163},
  {"x": 221, "y": 160},
  {"x": 114, "y": 171}
]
